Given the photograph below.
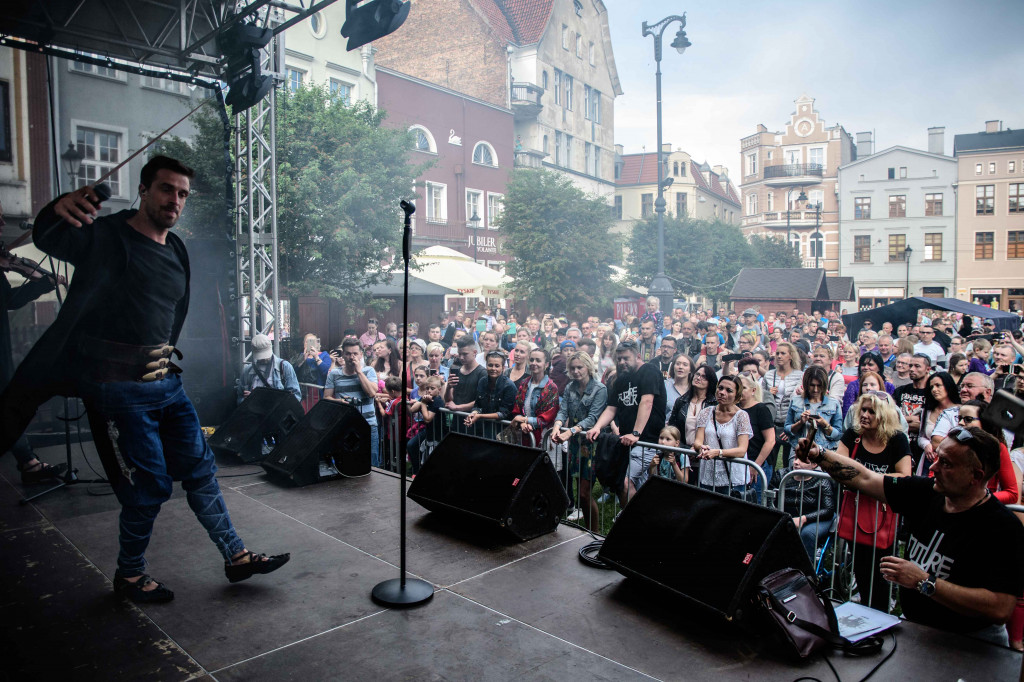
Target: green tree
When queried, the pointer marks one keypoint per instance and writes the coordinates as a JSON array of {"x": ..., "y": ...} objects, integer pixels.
[
  {"x": 340, "y": 175},
  {"x": 768, "y": 251},
  {"x": 560, "y": 241},
  {"x": 208, "y": 152}
]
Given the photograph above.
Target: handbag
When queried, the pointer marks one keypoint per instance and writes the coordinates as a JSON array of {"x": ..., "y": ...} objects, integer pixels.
[
  {"x": 865, "y": 523},
  {"x": 801, "y": 619}
]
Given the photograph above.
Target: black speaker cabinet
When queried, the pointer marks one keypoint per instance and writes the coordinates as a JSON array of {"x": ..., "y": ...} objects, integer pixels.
[
  {"x": 708, "y": 548},
  {"x": 513, "y": 487},
  {"x": 264, "y": 419},
  {"x": 332, "y": 439}
]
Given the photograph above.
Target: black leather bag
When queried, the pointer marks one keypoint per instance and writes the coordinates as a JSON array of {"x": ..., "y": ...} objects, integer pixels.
[{"x": 802, "y": 619}]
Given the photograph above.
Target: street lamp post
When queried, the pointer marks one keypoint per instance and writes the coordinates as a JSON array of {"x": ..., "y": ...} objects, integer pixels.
[
  {"x": 660, "y": 287},
  {"x": 474, "y": 222},
  {"x": 906, "y": 256},
  {"x": 789, "y": 195},
  {"x": 72, "y": 159},
  {"x": 817, "y": 238}
]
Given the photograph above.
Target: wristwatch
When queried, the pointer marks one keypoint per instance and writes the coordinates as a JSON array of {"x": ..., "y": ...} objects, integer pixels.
[
  {"x": 636, "y": 433},
  {"x": 927, "y": 586}
]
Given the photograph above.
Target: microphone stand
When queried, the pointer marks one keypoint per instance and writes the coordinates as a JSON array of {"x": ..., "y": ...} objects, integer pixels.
[{"x": 402, "y": 592}]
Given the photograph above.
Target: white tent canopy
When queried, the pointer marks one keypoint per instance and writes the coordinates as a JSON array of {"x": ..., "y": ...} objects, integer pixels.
[{"x": 449, "y": 268}]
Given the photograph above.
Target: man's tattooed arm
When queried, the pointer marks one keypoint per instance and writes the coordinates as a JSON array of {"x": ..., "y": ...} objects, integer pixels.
[{"x": 840, "y": 471}]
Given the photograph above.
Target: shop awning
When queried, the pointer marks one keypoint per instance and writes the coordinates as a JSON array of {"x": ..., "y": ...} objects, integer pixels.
[{"x": 454, "y": 270}]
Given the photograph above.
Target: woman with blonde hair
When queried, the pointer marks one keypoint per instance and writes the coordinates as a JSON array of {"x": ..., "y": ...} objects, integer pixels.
[
  {"x": 850, "y": 366},
  {"x": 761, "y": 445},
  {"x": 780, "y": 384},
  {"x": 903, "y": 345},
  {"x": 518, "y": 372},
  {"x": 877, "y": 442}
]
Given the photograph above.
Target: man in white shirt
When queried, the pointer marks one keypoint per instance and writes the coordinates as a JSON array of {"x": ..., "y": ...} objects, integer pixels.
[{"x": 928, "y": 345}]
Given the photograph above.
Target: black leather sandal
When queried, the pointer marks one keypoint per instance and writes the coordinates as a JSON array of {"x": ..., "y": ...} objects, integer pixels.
[
  {"x": 257, "y": 563},
  {"x": 134, "y": 591},
  {"x": 44, "y": 472}
]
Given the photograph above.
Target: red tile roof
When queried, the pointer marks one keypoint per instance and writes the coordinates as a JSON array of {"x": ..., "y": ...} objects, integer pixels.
[
  {"x": 520, "y": 22},
  {"x": 642, "y": 169}
]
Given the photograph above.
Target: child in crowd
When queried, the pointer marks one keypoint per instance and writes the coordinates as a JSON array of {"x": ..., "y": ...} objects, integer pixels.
[
  {"x": 426, "y": 425},
  {"x": 389, "y": 403},
  {"x": 668, "y": 464}
]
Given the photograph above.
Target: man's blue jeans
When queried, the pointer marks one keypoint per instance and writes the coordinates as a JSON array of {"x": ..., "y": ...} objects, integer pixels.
[
  {"x": 374, "y": 443},
  {"x": 148, "y": 436}
]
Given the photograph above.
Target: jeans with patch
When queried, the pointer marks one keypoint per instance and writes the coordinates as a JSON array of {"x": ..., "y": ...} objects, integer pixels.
[{"x": 148, "y": 436}]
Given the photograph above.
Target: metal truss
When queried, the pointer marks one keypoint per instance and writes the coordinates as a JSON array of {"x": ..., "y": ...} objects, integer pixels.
[
  {"x": 256, "y": 213},
  {"x": 178, "y": 36}
]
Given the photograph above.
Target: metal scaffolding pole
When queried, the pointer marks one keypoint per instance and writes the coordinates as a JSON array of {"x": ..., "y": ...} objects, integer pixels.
[{"x": 256, "y": 213}]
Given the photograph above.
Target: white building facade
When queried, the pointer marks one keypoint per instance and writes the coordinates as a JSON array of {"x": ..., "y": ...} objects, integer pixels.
[{"x": 897, "y": 226}]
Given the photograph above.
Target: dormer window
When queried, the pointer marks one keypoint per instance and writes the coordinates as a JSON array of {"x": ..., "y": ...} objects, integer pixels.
[{"x": 578, "y": 7}]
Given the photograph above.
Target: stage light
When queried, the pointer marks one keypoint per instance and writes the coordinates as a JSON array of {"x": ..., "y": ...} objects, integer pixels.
[
  {"x": 241, "y": 45},
  {"x": 372, "y": 20}
]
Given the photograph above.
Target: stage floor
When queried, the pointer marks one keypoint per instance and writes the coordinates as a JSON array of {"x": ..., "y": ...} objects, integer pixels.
[{"x": 502, "y": 611}]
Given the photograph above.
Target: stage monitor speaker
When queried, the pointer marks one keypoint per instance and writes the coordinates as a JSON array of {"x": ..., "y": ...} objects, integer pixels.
[
  {"x": 263, "y": 420},
  {"x": 333, "y": 439},
  {"x": 514, "y": 487},
  {"x": 709, "y": 548}
]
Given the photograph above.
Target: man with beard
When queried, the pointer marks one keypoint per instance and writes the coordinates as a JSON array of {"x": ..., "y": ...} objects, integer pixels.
[
  {"x": 910, "y": 398},
  {"x": 112, "y": 344},
  {"x": 663, "y": 360},
  {"x": 637, "y": 405}
]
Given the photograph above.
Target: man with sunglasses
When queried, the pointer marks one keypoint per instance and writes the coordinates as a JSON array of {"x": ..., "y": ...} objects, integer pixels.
[{"x": 964, "y": 565}]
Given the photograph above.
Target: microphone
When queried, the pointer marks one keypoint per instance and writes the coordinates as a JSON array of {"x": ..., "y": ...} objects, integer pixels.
[
  {"x": 102, "y": 190},
  {"x": 408, "y": 207},
  {"x": 25, "y": 225}
]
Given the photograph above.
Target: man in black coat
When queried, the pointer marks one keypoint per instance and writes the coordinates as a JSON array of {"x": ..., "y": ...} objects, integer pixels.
[{"x": 112, "y": 344}]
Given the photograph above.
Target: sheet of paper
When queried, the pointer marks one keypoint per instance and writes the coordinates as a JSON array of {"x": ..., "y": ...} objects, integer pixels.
[{"x": 857, "y": 621}]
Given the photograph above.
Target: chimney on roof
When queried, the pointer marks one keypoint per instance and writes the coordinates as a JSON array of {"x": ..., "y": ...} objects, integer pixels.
[
  {"x": 619, "y": 149},
  {"x": 761, "y": 128},
  {"x": 721, "y": 171},
  {"x": 666, "y": 148},
  {"x": 993, "y": 126},
  {"x": 937, "y": 140},
  {"x": 865, "y": 144}
]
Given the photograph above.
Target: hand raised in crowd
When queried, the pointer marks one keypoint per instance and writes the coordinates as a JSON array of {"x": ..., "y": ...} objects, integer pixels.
[
  {"x": 806, "y": 450},
  {"x": 78, "y": 207}
]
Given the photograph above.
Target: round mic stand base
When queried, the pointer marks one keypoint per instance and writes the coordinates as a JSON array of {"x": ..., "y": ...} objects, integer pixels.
[{"x": 394, "y": 593}]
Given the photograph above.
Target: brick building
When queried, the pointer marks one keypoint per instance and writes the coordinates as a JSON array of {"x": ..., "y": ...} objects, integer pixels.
[
  {"x": 549, "y": 61},
  {"x": 468, "y": 143},
  {"x": 777, "y": 167}
]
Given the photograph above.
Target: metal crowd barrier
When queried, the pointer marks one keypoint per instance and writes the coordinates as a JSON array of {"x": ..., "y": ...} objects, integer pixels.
[
  {"x": 311, "y": 395},
  {"x": 834, "y": 558},
  {"x": 487, "y": 428},
  {"x": 609, "y": 503}
]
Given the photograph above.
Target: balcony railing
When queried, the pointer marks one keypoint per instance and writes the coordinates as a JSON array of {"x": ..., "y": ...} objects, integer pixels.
[
  {"x": 526, "y": 100},
  {"x": 797, "y": 218},
  {"x": 793, "y": 170},
  {"x": 528, "y": 158}
]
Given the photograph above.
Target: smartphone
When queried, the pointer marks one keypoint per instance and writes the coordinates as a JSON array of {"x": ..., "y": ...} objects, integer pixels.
[
  {"x": 431, "y": 372},
  {"x": 1005, "y": 411},
  {"x": 311, "y": 345},
  {"x": 512, "y": 328},
  {"x": 732, "y": 357},
  {"x": 812, "y": 431},
  {"x": 481, "y": 326},
  {"x": 833, "y": 339}
]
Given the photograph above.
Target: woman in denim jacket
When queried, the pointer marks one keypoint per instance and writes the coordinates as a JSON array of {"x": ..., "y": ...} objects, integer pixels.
[
  {"x": 817, "y": 406},
  {"x": 581, "y": 404}
]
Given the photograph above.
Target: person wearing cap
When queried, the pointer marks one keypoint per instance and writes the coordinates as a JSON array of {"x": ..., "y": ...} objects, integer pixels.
[
  {"x": 267, "y": 370},
  {"x": 750, "y": 324},
  {"x": 558, "y": 372},
  {"x": 963, "y": 568}
]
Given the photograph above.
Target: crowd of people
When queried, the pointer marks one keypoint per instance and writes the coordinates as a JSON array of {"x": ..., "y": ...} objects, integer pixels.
[{"x": 743, "y": 386}]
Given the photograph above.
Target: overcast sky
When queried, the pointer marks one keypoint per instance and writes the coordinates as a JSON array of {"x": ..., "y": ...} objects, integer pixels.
[{"x": 896, "y": 68}]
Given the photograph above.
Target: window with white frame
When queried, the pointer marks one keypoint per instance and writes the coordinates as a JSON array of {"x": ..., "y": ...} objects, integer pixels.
[
  {"x": 165, "y": 84},
  {"x": 558, "y": 86},
  {"x": 101, "y": 151},
  {"x": 423, "y": 141},
  {"x": 817, "y": 245},
  {"x": 792, "y": 157},
  {"x": 591, "y": 54},
  {"x": 795, "y": 244},
  {"x": 565, "y": 37},
  {"x": 94, "y": 70},
  {"x": 568, "y": 91},
  {"x": 494, "y": 207},
  {"x": 579, "y": 46},
  {"x": 295, "y": 78},
  {"x": 595, "y": 106},
  {"x": 558, "y": 148},
  {"x": 588, "y": 151},
  {"x": 341, "y": 91},
  {"x": 568, "y": 151},
  {"x": 752, "y": 164},
  {"x": 751, "y": 204},
  {"x": 586, "y": 101},
  {"x": 437, "y": 202},
  {"x": 597, "y": 162},
  {"x": 474, "y": 205},
  {"x": 484, "y": 155},
  {"x": 771, "y": 202},
  {"x": 816, "y": 156}
]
